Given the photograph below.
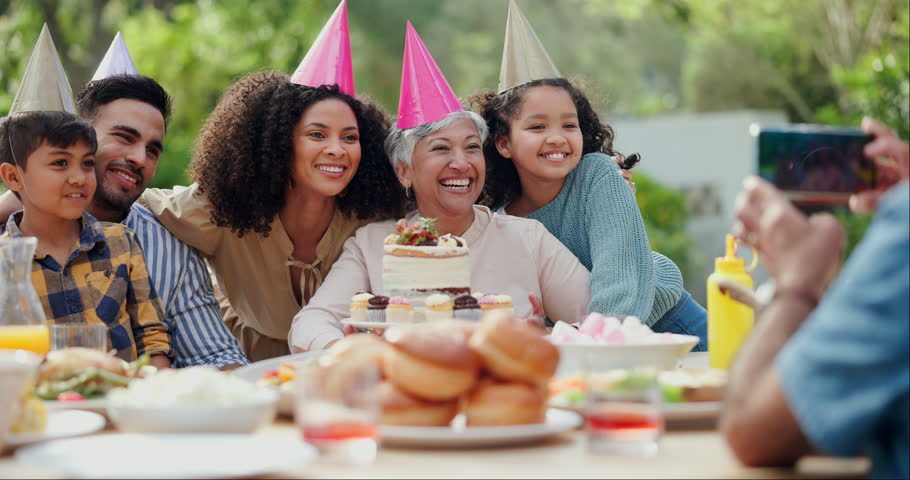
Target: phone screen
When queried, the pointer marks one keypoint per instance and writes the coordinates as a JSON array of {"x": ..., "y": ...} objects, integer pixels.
[{"x": 815, "y": 166}]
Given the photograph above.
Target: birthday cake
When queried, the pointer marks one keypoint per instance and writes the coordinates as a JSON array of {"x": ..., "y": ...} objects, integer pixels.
[{"x": 418, "y": 263}]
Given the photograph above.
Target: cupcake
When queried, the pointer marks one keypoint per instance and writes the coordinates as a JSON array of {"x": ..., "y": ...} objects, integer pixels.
[
  {"x": 359, "y": 303},
  {"x": 504, "y": 303},
  {"x": 439, "y": 307},
  {"x": 487, "y": 304},
  {"x": 399, "y": 310},
  {"x": 376, "y": 307},
  {"x": 467, "y": 308}
]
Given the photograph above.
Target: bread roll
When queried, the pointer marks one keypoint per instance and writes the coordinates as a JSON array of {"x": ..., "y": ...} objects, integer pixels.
[
  {"x": 515, "y": 351},
  {"x": 433, "y": 363},
  {"x": 399, "y": 408},
  {"x": 504, "y": 403},
  {"x": 355, "y": 358}
]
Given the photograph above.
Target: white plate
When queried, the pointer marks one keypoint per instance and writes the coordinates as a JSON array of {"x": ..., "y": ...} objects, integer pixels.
[
  {"x": 458, "y": 435},
  {"x": 60, "y": 424},
  {"x": 375, "y": 325},
  {"x": 97, "y": 405},
  {"x": 673, "y": 412},
  {"x": 184, "y": 456},
  {"x": 255, "y": 371}
]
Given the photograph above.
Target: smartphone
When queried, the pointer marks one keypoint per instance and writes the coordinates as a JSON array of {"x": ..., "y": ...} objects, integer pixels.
[{"x": 816, "y": 166}]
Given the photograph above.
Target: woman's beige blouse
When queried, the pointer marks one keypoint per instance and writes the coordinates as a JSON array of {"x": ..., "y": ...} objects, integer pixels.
[{"x": 252, "y": 270}]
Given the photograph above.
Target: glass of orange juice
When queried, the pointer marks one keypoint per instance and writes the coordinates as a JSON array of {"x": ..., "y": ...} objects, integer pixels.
[
  {"x": 23, "y": 324},
  {"x": 35, "y": 338}
]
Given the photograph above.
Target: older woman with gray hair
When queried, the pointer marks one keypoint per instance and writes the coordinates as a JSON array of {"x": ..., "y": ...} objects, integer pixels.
[{"x": 441, "y": 166}]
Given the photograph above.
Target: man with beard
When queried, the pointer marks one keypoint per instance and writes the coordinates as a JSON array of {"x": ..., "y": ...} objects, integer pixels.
[{"x": 130, "y": 113}]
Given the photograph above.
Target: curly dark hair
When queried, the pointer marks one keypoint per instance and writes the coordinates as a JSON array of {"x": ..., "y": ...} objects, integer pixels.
[
  {"x": 503, "y": 185},
  {"x": 245, "y": 153}
]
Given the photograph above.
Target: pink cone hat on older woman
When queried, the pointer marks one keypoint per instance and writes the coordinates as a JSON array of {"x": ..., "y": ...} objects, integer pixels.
[
  {"x": 329, "y": 59},
  {"x": 425, "y": 94}
]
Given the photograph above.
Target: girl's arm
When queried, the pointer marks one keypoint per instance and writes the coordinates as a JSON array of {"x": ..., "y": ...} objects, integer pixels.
[{"x": 622, "y": 271}]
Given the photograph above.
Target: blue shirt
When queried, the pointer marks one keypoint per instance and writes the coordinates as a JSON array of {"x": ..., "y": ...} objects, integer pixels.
[
  {"x": 846, "y": 372},
  {"x": 182, "y": 281}
]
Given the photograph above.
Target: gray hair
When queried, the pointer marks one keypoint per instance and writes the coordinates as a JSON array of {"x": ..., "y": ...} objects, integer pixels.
[{"x": 399, "y": 144}]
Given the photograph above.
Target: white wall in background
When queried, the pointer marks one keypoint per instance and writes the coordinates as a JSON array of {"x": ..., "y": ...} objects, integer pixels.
[{"x": 705, "y": 155}]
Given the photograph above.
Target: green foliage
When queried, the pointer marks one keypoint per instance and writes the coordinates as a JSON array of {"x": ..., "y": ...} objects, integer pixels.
[{"x": 665, "y": 214}]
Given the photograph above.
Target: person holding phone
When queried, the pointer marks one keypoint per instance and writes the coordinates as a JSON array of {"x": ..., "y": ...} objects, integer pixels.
[{"x": 828, "y": 368}]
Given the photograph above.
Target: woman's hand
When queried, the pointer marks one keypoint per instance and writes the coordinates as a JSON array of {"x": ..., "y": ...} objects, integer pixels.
[
  {"x": 624, "y": 172},
  {"x": 892, "y": 163},
  {"x": 537, "y": 317}
]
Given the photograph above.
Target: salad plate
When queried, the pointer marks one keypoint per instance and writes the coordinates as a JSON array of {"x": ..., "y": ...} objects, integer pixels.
[
  {"x": 60, "y": 424},
  {"x": 457, "y": 435},
  {"x": 260, "y": 372}
]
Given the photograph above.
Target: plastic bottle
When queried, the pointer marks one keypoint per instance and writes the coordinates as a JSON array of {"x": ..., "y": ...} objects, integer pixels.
[{"x": 729, "y": 321}]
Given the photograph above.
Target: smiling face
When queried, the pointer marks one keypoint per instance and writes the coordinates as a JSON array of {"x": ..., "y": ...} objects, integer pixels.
[
  {"x": 544, "y": 140},
  {"x": 130, "y": 136},
  {"x": 447, "y": 170},
  {"x": 326, "y": 148},
  {"x": 57, "y": 183}
]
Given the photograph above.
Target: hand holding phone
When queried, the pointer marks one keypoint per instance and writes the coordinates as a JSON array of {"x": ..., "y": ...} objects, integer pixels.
[
  {"x": 894, "y": 166},
  {"x": 815, "y": 166}
]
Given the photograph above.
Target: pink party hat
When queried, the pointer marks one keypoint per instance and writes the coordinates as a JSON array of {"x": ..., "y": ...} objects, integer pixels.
[
  {"x": 117, "y": 61},
  {"x": 425, "y": 94},
  {"x": 329, "y": 59}
]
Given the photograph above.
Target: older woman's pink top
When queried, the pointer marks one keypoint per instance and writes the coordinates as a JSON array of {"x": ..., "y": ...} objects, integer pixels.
[{"x": 508, "y": 255}]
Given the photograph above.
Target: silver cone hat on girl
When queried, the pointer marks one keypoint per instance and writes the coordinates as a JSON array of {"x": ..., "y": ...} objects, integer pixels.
[
  {"x": 44, "y": 85},
  {"x": 523, "y": 57},
  {"x": 117, "y": 61}
]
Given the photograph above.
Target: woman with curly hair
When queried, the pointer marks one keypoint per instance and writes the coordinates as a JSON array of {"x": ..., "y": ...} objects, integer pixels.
[
  {"x": 550, "y": 158},
  {"x": 283, "y": 174}
]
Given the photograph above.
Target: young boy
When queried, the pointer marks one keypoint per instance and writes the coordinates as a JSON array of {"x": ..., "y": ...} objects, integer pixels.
[{"x": 84, "y": 270}]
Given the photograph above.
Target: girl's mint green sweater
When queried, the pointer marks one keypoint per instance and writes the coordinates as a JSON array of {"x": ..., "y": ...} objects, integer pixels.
[{"x": 595, "y": 215}]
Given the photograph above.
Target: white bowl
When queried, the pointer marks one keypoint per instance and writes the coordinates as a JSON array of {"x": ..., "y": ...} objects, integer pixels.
[
  {"x": 245, "y": 417},
  {"x": 18, "y": 369},
  {"x": 601, "y": 357}
]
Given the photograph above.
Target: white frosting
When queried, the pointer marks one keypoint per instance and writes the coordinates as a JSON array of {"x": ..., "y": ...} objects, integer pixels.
[{"x": 417, "y": 278}]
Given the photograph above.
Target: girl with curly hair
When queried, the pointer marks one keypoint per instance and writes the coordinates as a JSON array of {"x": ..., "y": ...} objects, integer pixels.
[
  {"x": 550, "y": 158},
  {"x": 283, "y": 174}
]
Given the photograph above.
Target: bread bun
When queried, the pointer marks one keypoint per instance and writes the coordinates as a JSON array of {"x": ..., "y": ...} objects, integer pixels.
[
  {"x": 399, "y": 408},
  {"x": 352, "y": 359},
  {"x": 513, "y": 350},
  {"x": 504, "y": 403},
  {"x": 433, "y": 363}
]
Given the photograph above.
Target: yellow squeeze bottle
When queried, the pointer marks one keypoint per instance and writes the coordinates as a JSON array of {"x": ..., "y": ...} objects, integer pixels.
[{"x": 729, "y": 321}]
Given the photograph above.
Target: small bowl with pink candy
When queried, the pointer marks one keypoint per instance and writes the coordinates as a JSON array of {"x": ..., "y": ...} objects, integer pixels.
[{"x": 606, "y": 342}]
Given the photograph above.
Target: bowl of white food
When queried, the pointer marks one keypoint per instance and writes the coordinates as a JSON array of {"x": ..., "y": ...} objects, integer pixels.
[
  {"x": 191, "y": 400},
  {"x": 604, "y": 343}
]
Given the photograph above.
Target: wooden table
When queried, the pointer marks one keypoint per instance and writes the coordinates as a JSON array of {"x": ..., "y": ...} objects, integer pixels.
[
  {"x": 690, "y": 453},
  {"x": 694, "y": 450}
]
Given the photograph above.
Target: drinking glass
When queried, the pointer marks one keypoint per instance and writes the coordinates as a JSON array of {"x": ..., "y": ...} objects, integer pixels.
[
  {"x": 624, "y": 415},
  {"x": 337, "y": 411},
  {"x": 23, "y": 324},
  {"x": 87, "y": 335}
]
